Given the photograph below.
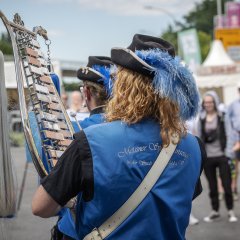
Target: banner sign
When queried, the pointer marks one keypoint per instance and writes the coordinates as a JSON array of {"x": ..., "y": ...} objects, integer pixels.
[
  {"x": 189, "y": 48},
  {"x": 231, "y": 41}
]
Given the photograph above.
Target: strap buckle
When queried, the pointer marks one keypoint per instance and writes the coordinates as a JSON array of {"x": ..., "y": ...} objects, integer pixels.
[
  {"x": 99, "y": 235},
  {"x": 94, "y": 235}
]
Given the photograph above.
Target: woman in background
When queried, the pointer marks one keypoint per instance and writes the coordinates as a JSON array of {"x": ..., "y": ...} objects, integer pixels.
[{"x": 212, "y": 132}]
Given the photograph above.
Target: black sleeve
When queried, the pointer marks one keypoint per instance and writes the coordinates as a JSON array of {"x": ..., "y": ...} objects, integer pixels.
[
  {"x": 198, "y": 187},
  {"x": 73, "y": 172}
]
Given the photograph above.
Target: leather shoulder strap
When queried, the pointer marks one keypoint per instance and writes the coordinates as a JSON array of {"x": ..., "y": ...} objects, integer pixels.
[{"x": 136, "y": 198}]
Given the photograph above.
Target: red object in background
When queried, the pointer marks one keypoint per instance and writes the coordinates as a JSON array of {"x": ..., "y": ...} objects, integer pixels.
[{"x": 233, "y": 14}]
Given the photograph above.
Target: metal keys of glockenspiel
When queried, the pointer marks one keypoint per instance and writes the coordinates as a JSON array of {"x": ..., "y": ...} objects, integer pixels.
[
  {"x": 43, "y": 62},
  {"x": 66, "y": 134},
  {"x": 33, "y": 61},
  {"x": 35, "y": 43},
  {"x": 65, "y": 142},
  {"x": 47, "y": 116},
  {"x": 53, "y": 135},
  {"x": 54, "y": 98},
  {"x": 43, "y": 98},
  {"x": 31, "y": 52},
  {"x": 45, "y": 71},
  {"x": 55, "y": 153},
  {"x": 40, "y": 53},
  {"x": 51, "y": 89},
  {"x": 52, "y": 153},
  {"x": 51, "y": 126},
  {"x": 59, "y": 153},
  {"x": 59, "y": 115},
  {"x": 55, "y": 106},
  {"x": 46, "y": 125},
  {"x": 45, "y": 79},
  {"x": 40, "y": 88},
  {"x": 63, "y": 125},
  {"x": 53, "y": 162},
  {"x": 56, "y": 127},
  {"x": 36, "y": 70}
]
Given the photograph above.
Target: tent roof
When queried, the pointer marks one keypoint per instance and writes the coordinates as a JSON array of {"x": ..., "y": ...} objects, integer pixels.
[
  {"x": 10, "y": 75},
  {"x": 217, "y": 59},
  {"x": 212, "y": 81},
  {"x": 217, "y": 56}
]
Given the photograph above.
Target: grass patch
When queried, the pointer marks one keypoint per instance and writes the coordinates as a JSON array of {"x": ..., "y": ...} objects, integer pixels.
[{"x": 17, "y": 139}]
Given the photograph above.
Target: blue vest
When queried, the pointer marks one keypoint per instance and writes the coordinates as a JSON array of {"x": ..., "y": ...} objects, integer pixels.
[
  {"x": 89, "y": 121},
  {"x": 66, "y": 224},
  {"x": 122, "y": 156}
]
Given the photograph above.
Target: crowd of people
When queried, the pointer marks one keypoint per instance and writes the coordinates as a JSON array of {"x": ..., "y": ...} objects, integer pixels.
[{"x": 219, "y": 129}]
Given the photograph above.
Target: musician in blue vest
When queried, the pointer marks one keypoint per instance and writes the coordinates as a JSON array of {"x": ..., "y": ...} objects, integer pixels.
[
  {"x": 97, "y": 86},
  {"x": 111, "y": 166}
]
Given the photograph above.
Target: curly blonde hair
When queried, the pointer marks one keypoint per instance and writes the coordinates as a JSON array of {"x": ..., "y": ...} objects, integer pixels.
[{"x": 134, "y": 99}]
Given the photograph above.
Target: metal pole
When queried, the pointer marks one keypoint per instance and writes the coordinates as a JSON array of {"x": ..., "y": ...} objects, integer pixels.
[
  {"x": 22, "y": 186},
  {"x": 219, "y": 7},
  {"x": 74, "y": 115},
  {"x": 7, "y": 179}
]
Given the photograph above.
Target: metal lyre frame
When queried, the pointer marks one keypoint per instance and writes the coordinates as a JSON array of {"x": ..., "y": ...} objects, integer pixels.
[{"x": 17, "y": 30}]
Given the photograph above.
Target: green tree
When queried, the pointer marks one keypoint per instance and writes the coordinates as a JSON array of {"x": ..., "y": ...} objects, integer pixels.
[
  {"x": 170, "y": 35},
  {"x": 205, "y": 42},
  {"x": 201, "y": 17},
  {"x": 5, "y": 44},
  {"x": 69, "y": 87}
]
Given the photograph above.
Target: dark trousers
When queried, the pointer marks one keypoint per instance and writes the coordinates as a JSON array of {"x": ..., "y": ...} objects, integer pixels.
[{"x": 210, "y": 169}]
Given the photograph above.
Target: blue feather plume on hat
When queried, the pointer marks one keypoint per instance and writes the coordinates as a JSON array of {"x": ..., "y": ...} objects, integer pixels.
[
  {"x": 107, "y": 81},
  {"x": 173, "y": 80}
]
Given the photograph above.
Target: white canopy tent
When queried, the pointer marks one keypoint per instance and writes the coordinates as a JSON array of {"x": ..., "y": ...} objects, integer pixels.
[
  {"x": 219, "y": 71},
  {"x": 10, "y": 75},
  {"x": 217, "y": 56}
]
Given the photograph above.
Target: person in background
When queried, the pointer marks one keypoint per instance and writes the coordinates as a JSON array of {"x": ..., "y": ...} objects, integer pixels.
[
  {"x": 64, "y": 98},
  {"x": 84, "y": 105},
  {"x": 212, "y": 133},
  {"x": 75, "y": 111},
  {"x": 233, "y": 139}
]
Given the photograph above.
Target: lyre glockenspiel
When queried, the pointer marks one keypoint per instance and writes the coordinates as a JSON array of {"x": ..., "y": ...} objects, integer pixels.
[{"x": 38, "y": 96}]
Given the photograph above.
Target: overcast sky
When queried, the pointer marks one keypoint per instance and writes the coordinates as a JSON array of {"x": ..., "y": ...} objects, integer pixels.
[{"x": 79, "y": 28}]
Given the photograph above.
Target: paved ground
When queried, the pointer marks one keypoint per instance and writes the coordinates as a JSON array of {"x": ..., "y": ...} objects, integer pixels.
[
  {"x": 220, "y": 230},
  {"x": 27, "y": 227}
]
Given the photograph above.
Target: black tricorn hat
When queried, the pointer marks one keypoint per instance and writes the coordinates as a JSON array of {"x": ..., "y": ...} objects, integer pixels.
[
  {"x": 127, "y": 58},
  {"x": 88, "y": 73}
]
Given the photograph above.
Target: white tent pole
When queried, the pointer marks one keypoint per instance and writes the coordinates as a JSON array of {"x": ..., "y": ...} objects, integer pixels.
[
  {"x": 219, "y": 7},
  {"x": 7, "y": 179}
]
